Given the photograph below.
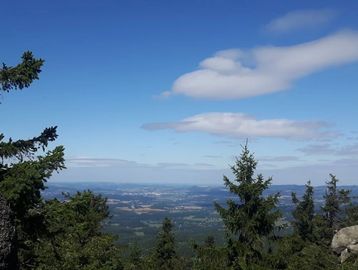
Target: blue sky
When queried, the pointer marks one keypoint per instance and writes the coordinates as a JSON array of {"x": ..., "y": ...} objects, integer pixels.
[{"x": 167, "y": 91}]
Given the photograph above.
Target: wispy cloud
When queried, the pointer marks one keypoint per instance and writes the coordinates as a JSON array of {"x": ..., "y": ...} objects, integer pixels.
[
  {"x": 85, "y": 162},
  {"x": 237, "y": 74},
  {"x": 348, "y": 150},
  {"x": 332, "y": 150},
  {"x": 240, "y": 125},
  {"x": 88, "y": 162},
  {"x": 316, "y": 172},
  {"x": 301, "y": 19},
  {"x": 278, "y": 158},
  {"x": 344, "y": 168},
  {"x": 212, "y": 156},
  {"x": 316, "y": 149}
]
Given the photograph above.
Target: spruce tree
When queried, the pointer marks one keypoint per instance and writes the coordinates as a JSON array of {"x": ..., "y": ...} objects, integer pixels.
[
  {"x": 334, "y": 198},
  {"x": 250, "y": 219},
  {"x": 22, "y": 171},
  {"x": 304, "y": 213},
  {"x": 49, "y": 235},
  {"x": 165, "y": 256}
]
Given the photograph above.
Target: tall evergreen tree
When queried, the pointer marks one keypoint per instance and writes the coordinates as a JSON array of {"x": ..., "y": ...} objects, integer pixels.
[
  {"x": 250, "y": 219},
  {"x": 165, "y": 256},
  {"x": 22, "y": 173},
  {"x": 49, "y": 235},
  {"x": 334, "y": 198},
  {"x": 304, "y": 213}
]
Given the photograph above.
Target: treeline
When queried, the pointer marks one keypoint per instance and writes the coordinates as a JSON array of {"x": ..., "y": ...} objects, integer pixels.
[{"x": 68, "y": 235}]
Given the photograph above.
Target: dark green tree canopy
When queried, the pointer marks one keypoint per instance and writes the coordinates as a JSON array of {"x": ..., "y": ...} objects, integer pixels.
[
  {"x": 165, "y": 255},
  {"x": 22, "y": 173},
  {"x": 250, "y": 219},
  {"x": 209, "y": 256},
  {"x": 73, "y": 238},
  {"x": 21, "y": 75},
  {"x": 50, "y": 235},
  {"x": 304, "y": 213},
  {"x": 334, "y": 199}
]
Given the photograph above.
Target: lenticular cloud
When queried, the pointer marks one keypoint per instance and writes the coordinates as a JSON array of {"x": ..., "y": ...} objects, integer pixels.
[
  {"x": 237, "y": 74},
  {"x": 238, "y": 125}
]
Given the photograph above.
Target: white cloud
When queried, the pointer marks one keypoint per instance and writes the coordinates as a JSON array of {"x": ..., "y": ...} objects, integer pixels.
[
  {"x": 240, "y": 125},
  {"x": 236, "y": 74},
  {"x": 88, "y": 162},
  {"x": 317, "y": 149},
  {"x": 278, "y": 158},
  {"x": 349, "y": 150},
  {"x": 345, "y": 169},
  {"x": 301, "y": 19},
  {"x": 328, "y": 149}
]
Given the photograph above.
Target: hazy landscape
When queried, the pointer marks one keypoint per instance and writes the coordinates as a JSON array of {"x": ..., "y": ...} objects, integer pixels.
[
  {"x": 179, "y": 135},
  {"x": 137, "y": 210}
]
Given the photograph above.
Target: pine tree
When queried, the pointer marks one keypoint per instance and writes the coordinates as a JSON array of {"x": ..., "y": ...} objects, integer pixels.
[
  {"x": 165, "y": 256},
  {"x": 250, "y": 220},
  {"x": 334, "y": 199},
  {"x": 22, "y": 172},
  {"x": 53, "y": 234},
  {"x": 304, "y": 213}
]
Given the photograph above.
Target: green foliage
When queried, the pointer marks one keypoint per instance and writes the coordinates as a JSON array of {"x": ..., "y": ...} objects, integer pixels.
[
  {"x": 313, "y": 257},
  {"x": 22, "y": 174},
  {"x": 304, "y": 214},
  {"x": 251, "y": 220},
  {"x": 332, "y": 216},
  {"x": 135, "y": 259},
  {"x": 54, "y": 234},
  {"x": 21, "y": 183},
  {"x": 309, "y": 247},
  {"x": 165, "y": 255},
  {"x": 285, "y": 248},
  {"x": 73, "y": 235},
  {"x": 350, "y": 264},
  {"x": 351, "y": 215},
  {"x": 334, "y": 198},
  {"x": 209, "y": 256},
  {"x": 22, "y": 75},
  {"x": 295, "y": 253},
  {"x": 22, "y": 149}
]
